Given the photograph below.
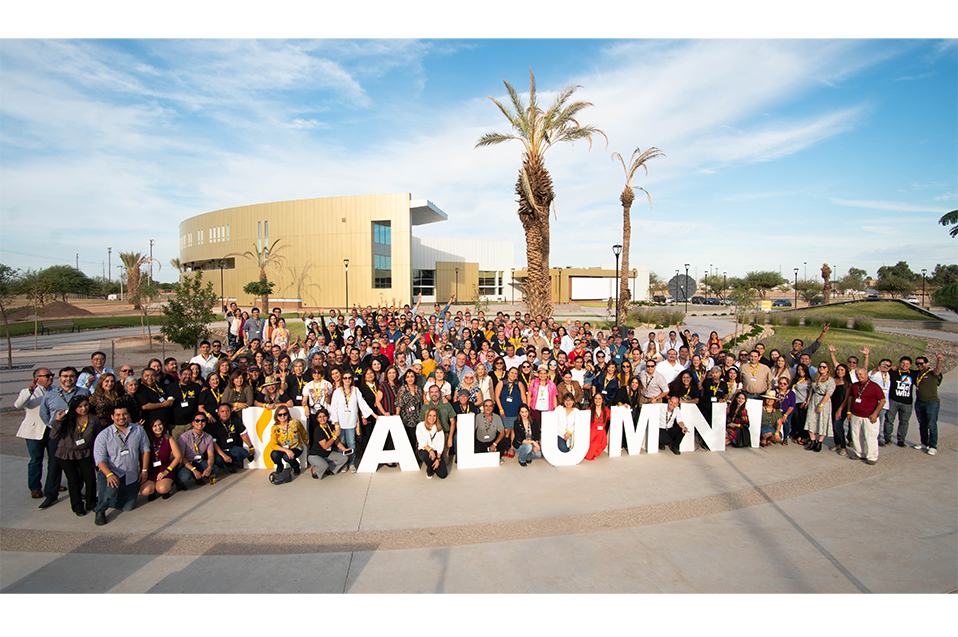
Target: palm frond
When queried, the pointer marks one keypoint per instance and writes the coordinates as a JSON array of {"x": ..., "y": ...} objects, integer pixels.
[
  {"x": 490, "y": 139},
  {"x": 950, "y": 218}
]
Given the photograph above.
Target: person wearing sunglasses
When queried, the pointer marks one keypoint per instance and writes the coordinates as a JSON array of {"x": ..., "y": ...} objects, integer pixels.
[
  {"x": 344, "y": 410},
  {"x": 288, "y": 440},
  {"x": 32, "y": 429},
  {"x": 198, "y": 452}
]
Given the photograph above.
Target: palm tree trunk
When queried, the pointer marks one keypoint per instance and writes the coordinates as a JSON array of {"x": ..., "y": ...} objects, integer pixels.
[
  {"x": 627, "y": 197},
  {"x": 133, "y": 286},
  {"x": 262, "y": 278},
  {"x": 535, "y": 222}
]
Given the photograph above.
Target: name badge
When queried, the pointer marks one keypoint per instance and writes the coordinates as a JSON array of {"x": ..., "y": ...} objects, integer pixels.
[
  {"x": 297, "y": 399},
  {"x": 185, "y": 404},
  {"x": 600, "y": 428},
  {"x": 858, "y": 400},
  {"x": 157, "y": 463},
  {"x": 80, "y": 441},
  {"x": 197, "y": 457},
  {"x": 509, "y": 399},
  {"x": 125, "y": 452},
  {"x": 229, "y": 440}
]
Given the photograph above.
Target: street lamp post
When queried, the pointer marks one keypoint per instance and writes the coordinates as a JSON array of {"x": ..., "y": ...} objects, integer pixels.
[
  {"x": 346, "y": 268},
  {"x": 923, "y": 271},
  {"x": 617, "y": 250},
  {"x": 457, "y": 283},
  {"x": 109, "y": 255},
  {"x": 222, "y": 293},
  {"x": 513, "y": 283},
  {"x": 805, "y": 278},
  {"x": 724, "y": 287},
  {"x": 708, "y": 287},
  {"x": 686, "y": 284},
  {"x": 796, "y": 288}
]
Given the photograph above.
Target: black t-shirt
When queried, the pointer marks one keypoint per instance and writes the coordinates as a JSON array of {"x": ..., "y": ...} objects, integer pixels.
[
  {"x": 321, "y": 434},
  {"x": 146, "y": 395},
  {"x": 902, "y": 384},
  {"x": 186, "y": 402},
  {"x": 280, "y": 397},
  {"x": 294, "y": 387},
  {"x": 210, "y": 400},
  {"x": 227, "y": 434}
]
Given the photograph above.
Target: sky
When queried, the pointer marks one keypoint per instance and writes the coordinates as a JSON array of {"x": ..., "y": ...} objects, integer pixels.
[{"x": 779, "y": 152}]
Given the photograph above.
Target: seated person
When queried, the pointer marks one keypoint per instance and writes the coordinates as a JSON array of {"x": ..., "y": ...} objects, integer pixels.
[
  {"x": 489, "y": 430},
  {"x": 288, "y": 440},
  {"x": 527, "y": 437},
  {"x": 165, "y": 456},
  {"x": 671, "y": 427},
  {"x": 430, "y": 442},
  {"x": 566, "y": 422},
  {"x": 327, "y": 455},
  {"x": 198, "y": 450},
  {"x": 229, "y": 432},
  {"x": 772, "y": 420}
]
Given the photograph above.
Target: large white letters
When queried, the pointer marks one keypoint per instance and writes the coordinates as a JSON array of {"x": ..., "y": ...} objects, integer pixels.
[
  {"x": 376, "y": 455},
  {"x": 549, "y": 439},
  {"x": 621, "y": 422},
  {"x": 466, "y": 456}
]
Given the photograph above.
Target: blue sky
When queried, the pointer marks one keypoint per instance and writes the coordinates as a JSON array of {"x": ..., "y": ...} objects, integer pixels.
[{"x": 779, "y": 151}]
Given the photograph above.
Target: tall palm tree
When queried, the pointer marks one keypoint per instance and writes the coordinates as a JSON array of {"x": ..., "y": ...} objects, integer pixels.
[
  {"x": 133, "y": 261},
  {"x": 626, "y": 198},
  {"x": 177, "y": 265},
  {"x": 539, "y": 130},
  {"x": 267, "y": 257}
]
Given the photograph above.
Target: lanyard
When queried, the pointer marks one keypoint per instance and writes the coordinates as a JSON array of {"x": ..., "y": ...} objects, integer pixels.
[
  {"x": 123, "y": 440},
  {"x": 196, "y": 443},
  {"x": 215, "y": 395},
  {"x": 80, "y": 430},
  {"x": 920, "y": 378},
  {"x": 157, "y": 447}
]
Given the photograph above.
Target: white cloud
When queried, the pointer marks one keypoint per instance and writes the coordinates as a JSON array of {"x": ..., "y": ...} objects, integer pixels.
[{"x": 896, "y": 206}]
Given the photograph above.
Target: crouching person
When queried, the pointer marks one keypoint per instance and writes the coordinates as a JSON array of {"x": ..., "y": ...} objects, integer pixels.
[
  {"x": 229, "y": 432},
  {"x": 198, "y": 448},
  {"x": 121, "y": 453},
  {"x": 165, "y": 456},
  {"x": 327, "y": 455}
]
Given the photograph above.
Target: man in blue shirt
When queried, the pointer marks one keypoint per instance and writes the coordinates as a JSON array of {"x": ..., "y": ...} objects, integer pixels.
[
  {"x": 122, "y": 454},
  {"x": 56, "y": 403}
]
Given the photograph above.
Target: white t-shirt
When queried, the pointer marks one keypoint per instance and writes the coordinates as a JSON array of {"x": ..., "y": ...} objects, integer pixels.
[
  {"x": 668, "y": 371},
  {"x": 542, "y": 398}
]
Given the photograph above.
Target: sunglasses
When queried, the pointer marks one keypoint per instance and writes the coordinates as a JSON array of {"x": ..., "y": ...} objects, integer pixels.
[
  {"x": 282, "y": 415},
  {"x": 199, "y": 420}
]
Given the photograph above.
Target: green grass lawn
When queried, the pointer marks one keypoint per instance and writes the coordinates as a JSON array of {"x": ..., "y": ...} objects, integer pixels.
[
  {"x": 92, "y": 323},
  {"x": 847, "y": 343},
  {"x": 871, "y": 309}
]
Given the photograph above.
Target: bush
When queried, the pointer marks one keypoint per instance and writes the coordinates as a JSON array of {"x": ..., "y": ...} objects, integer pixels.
[
  {"x": 776, "y": 319},
  {"x": 864, "y": 324},
  {"x": 663, "y": 317},
  {"x": 793, "y": 320}
]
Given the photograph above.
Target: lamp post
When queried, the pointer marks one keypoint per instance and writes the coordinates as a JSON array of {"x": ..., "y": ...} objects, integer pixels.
[
  {"x": 617, "y": 250},
  {"x": 109, "y": 255},
  {"x": 457, "y": 283},
  {"x": 805, "y": 278},
  {"x": 513, "y": 283},
  {"x": 796, "y": 288},
  {"x": 686, "y": 288},
  {"x": 222, "y": 293},
  {"x": 724, "y": 287},
  {"x": 923, "y": 270},
  {"x": 346, "y": 268},
  {"x": 708, "y": 286}
]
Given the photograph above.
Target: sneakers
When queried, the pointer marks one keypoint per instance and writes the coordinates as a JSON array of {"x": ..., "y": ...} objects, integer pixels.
[
  {"x": 932, "y": 451},
  {"x": 522, "y": 464},
  {"x": 918, "y": 447},
  {"x": 100, "y": 518},
  {"x": 352, "y": 469},
  {"x": 901, "y": 443},
  {"x": 867, "y": 461}
]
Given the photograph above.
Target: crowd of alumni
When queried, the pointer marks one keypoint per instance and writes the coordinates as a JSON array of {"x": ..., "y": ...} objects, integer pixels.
[{"x": 116, "y": 435}]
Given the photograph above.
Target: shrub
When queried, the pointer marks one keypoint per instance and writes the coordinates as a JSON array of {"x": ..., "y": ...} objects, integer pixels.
[
  {"x": 776, "y": 319},
  {"x": 793, "y": 320},
  {"x": 663, "y": 316},
  {"x": 864, "y": 324}
]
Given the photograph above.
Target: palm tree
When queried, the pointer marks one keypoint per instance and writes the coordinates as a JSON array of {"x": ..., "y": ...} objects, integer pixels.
[
  {"x": 627, "y": 197},
  {"x": 177, "y": 265},
  {"x": 267, "y": 257},
  {"x": 950, "y": 218},
  {"x": 133, "y": 261},
  {"x": 538, "y": 130}
]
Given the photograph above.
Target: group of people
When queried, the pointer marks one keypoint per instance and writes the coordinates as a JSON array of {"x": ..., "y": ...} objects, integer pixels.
[{"x": 117, "y": 435}]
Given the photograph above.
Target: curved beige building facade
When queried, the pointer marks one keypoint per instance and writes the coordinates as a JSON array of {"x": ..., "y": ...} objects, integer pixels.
[{"x": 315, "y": 237}]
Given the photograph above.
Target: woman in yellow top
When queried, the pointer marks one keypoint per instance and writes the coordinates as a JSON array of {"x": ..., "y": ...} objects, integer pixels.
[
  {"x": 428, "y": 363},
  {"x": 288, "y": 440}
]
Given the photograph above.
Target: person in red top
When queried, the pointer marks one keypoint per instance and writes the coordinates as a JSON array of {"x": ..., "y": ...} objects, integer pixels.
[
  {"x": 863, "y": 402},
  {"x": 600, "y": 425}
]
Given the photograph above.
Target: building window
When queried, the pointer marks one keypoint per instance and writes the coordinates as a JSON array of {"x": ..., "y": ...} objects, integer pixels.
[
  {"x": 382, "y": 255},
  {"x": 423, "y": 282},
  {"x": 488, "y": 283}
]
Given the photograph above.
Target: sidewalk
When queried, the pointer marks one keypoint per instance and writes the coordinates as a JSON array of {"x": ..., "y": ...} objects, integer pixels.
[{"x": 743, "y": 521}]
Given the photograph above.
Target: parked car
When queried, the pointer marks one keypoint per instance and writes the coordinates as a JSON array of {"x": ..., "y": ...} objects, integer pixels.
[
  {"x": 658, "y": 298},
  {"x": 698, "y": 300},
  {"x": 871, "y": 297},
  {"x": 781, "y": 303},
  {"x": 913, "y": 299},
  {"x": 712, "y": 301}
]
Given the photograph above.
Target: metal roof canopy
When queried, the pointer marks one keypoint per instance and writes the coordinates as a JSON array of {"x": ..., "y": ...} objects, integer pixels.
[{"x": 423, "y": 211}]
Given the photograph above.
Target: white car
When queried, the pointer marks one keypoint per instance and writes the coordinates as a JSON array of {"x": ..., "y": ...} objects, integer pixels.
[{"x": 912, "y": 299}]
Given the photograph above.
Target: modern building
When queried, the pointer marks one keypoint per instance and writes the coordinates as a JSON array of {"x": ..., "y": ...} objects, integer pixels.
[
  {"x": 574, "y": 285},
  {"x": 339, "y": 251}
]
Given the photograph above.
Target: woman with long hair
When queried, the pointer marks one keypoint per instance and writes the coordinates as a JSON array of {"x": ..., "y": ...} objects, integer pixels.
[
  {"x": 713, "y": 338},
  {"x": 75, "y": 430},
  {"x": 211, "y": 396},
  {"x": 484, "y": 381},
  {"x": 625, "y": 373},
  {"x": 543, "y": 394},
  {"x": 470, "y": 385},
  {"x": 732, "y": 384},
  {"x": 428, "y": 362},
  {"x": 498, "y": 371},
  {"x": 510, "y": 395},
  {"x": 607, "y": 382},
  {"x": 736, "y": 423},
  {"x": 818, "y": 420},
  {"x": 526, "y": 443},
  {"x": 165, "y": 455},
  {"x": 772, "y": 421},
  {"x": 239, "y": 394},
  {"x": 802, "y": 388},
  {"x": 280, "y": 334},
  {"x": 842, "y": 384},
  {"x": 409, "y": 402},
  {"x": 785, "y": 399},
  {"x": 430, "y": 441},
  {"x": 567, "y": 416},
  {"x": 105, "y": 395},
  {"x": 698, "y": 371},
  {"x": 780, "y": 370},
  {"x": 288, "y": 440},
  {"x": 271, "y": 324},
  {"x": 224, "y": 369},
  {"x": 685, "y": 388},
  {"x": 599, "y": 436}
]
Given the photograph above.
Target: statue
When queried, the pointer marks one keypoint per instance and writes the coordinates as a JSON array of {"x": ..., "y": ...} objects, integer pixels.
[{"x": 827, "y": 288}]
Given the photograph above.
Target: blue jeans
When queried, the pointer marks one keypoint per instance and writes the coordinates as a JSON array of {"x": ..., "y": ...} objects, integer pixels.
[
  {"x": 787, "y": 426},
  {"x": 278, "y": 456},
  {"x": 349, "y": 439},
  {"x": 35, "y": 466},
  {"x": 526, "y": 453},
  {"x": 563, "y": 445},
  {"x": 183, "y": 474},
  {"x": 838, "y": 431},
  {"x": 903, "y": 411},
  {"x": 237, "y": 453},
  {"x": 927, "y": 413},
  {"x": 121, "y": 497}
]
